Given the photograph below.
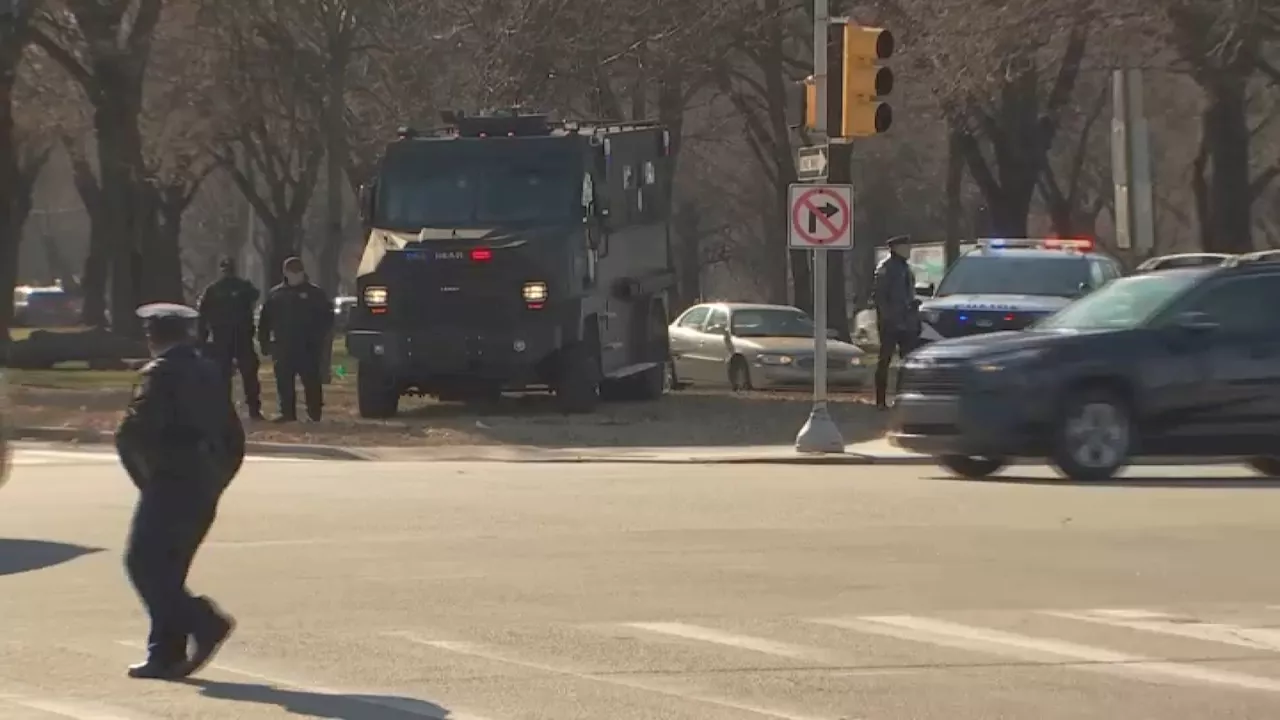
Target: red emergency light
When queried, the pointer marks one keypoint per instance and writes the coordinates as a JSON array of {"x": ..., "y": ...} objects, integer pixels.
[
  {"x": 1078, "y": 244},
  {"x": 481, "y": 255}
]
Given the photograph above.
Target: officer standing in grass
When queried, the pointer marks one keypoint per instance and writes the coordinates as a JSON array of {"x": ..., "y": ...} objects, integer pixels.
[
  {"x": 897, "y": 311},
  {"x": 226, "y": 331},
  {"x": 293, "y": 328},
  {"x": 181, "y": 443}
]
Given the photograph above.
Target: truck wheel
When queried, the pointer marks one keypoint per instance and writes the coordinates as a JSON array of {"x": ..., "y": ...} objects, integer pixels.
[
  {"x": 973, "y": 468},
  {"x": 376, "y": 395},
  {"x": 578, "y": 384},
  {"x": 1093, "y": 437}
]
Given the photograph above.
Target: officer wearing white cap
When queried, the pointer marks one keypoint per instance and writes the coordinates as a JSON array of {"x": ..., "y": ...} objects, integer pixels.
[{"x": 181, "y": 443}]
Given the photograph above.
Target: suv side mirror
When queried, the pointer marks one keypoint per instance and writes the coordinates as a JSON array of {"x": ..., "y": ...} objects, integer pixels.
[
  {"x": 925, "y": 290},
  {"x": 1195, "y": 322}
]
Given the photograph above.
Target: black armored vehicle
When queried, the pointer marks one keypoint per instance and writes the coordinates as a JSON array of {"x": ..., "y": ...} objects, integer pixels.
[{"x": 507, "y": 252}]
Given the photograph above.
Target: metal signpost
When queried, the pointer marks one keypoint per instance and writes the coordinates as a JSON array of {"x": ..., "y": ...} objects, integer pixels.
[{"x": 821, "y": 219}]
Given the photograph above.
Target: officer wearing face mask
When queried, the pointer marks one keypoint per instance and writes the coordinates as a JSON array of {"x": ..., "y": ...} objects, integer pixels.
[{"x": 293, "y": 329}]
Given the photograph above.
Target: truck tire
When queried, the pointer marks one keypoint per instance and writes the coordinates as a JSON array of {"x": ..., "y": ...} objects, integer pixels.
[
  {"x": 376, "y": 395},
  {"x": 578, "y": 381}
]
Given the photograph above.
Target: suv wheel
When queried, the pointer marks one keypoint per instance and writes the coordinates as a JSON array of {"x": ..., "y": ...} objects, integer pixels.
[
  {"x": 578, "y": 384},
  {"x": 1093, "y": 437},
  {"x": 376, "y": 394},
  {"x": 973, "y": 467},
  {"x": 1268, "y": 466}
]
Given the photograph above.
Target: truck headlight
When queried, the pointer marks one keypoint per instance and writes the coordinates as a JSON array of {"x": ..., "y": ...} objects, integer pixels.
[
  {"x": 534, "y": 292},
  {"x": 375, "y": 296},
  {"x": 775, "y": 359}
]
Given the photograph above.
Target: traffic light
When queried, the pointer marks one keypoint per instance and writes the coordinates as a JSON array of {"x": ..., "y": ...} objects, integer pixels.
[
  {"x": 810, "y": 103},
  {"x": 862, "y": 81}
]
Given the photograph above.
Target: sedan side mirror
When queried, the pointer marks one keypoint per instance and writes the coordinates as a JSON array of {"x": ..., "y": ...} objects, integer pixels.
[
  {"x": 925, "y": 290},
  {"x": 1196, "y": 322}
]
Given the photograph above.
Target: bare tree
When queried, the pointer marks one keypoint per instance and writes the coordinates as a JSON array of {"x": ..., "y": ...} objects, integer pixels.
[{"x": 15, "y": 27}]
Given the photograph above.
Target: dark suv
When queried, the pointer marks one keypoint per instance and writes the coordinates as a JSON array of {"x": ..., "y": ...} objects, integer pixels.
[{"x": 1181, "y": 362}]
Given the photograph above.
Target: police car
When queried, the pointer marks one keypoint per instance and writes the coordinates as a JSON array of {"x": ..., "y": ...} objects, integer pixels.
[{"x": 1010, "y": 284}]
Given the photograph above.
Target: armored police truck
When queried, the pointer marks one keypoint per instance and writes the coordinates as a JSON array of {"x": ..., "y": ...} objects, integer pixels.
[{"x": 507, "y": 252}]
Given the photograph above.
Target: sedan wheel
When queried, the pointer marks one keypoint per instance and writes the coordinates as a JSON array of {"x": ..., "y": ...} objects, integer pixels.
[{"x": 1094, "y": 437}]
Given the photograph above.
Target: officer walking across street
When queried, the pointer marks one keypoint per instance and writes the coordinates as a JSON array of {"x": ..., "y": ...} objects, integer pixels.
[
  {"x": 293, "y": 328},
  {"x": 226, "y": 331},
  {"x": 897, "y": 311},
  {"x": 181, "y": 443}
]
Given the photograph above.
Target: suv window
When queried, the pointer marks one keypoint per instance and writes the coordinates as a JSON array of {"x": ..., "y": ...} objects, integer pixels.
[
  {"x": 693, "y": 319},
  {"x": 1241, "y": 305}
]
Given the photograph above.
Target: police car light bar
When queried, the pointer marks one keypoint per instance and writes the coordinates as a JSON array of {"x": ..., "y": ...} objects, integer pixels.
[{"x": 1078, "y": 244}]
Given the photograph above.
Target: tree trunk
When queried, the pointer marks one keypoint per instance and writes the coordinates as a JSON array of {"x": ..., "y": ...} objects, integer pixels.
[
  {"x": 162, "y": 266},
  {"x": 1225, "y": 124},
  {"x": 336, "y": 151},
  {"x": 8, "y": 191},
  {"x": 122, "y": 181},
  {"x": 955, "y": 188}
]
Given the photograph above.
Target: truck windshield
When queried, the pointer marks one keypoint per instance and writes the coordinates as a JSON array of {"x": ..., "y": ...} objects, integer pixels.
[
  {"x": 1013, "y": 275},
  {"x": 479, "y": 183}
]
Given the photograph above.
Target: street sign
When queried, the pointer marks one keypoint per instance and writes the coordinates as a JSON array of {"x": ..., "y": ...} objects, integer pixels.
[
  {"x": 812, "y": 163},
  {"x": 821, "y": 217}
]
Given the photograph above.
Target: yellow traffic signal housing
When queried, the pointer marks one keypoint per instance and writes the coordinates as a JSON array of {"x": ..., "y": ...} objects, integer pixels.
[
  {"x": 862, "y": 81},
  {"x": 810, "y": 103}
]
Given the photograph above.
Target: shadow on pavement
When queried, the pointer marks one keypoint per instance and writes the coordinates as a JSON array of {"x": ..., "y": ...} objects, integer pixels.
[
  {"x": 323, "y": 705},
  {"x": 20, "y": 556},
  {"x": 1195, "y": 483}
]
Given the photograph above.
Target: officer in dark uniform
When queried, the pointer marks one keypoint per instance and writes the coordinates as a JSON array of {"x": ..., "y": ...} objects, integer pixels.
[
  {"x": 897, "y": 311},
  {"x": 226, "y": 331},
  {"x": 293, "y": 328},
  {"x": 181, "y": 443}
]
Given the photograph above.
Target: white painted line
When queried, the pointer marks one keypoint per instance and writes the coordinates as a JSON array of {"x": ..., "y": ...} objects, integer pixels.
[
  {"x": 409, "y": 706},
  {"x": 1165, "y": 624},
  {"x": 742, "y": 642},
  {"x": 75, "y": 711},
  {"x": 1034, "y": 649},
  {"x": 482, "y": 652}
]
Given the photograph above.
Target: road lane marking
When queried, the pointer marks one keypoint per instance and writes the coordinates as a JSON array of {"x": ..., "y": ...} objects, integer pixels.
[
  {"x": 1034, "y": 649},
  {"x": 480, "y": 651},
  {"x": 741, "y": 642},
  {"x": 75, "y": 711},
  {"x": 409, "y": 706},
  {"x": 1166, "y": 624}
]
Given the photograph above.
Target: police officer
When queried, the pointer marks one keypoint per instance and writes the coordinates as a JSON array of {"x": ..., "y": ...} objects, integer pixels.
[
  {"x": 181, "y": 443},
  {"x": 897, "y": 311},
  {"x": 293, "y": 328},
  {"x": 226, "y": 331}
]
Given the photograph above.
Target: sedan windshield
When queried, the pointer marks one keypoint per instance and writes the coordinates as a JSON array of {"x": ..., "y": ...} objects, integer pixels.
[
  {"x": 1015, "y": 275},
  {"x": 772, "y": 323},
  {"x": 1122, "y": 305}
]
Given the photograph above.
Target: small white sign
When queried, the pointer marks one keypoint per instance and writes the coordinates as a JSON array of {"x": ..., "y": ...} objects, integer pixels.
[{"x": 821, "y": 217}]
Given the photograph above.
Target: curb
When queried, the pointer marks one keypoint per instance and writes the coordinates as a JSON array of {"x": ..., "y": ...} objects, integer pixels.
[{"x": 79, "y": 436}]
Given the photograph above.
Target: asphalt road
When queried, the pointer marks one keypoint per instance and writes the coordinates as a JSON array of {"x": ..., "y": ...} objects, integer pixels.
[{"x": 379, "y": 591}]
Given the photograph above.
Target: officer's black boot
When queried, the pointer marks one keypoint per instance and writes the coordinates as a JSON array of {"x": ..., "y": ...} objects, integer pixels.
[{"x": 212, "y": 630}]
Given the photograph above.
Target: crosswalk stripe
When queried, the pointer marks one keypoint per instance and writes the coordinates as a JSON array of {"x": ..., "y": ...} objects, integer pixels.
[
  {"x": 1044, "y": 650},
  {"x": 404, "y": 706},
  {"x": 476, "y": 650},
  {"x": 742, "y": 642},
  {"x": 1166, "y": 624},
  {"x": 74, "y": 711}
]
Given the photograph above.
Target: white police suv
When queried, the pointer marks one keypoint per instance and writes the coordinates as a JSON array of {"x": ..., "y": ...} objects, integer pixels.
[{"x": 1009, "y": 284}]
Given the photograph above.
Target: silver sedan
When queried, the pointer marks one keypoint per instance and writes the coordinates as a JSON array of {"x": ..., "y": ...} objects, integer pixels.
[{"x": 747, "y": 345}]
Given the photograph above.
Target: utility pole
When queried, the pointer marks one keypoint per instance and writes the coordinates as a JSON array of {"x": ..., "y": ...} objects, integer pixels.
[{"x": 1131, "y": 165}]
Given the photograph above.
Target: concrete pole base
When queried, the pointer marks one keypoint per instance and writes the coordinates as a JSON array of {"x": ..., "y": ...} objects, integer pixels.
[{"x": 819, "y": 434}]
